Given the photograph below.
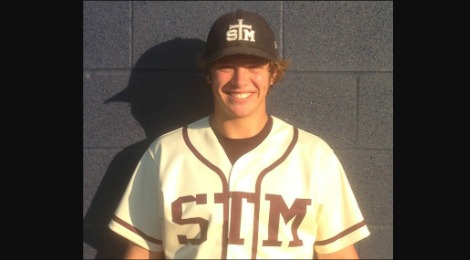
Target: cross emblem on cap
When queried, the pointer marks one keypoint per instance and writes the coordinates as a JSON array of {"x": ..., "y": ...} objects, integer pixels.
[{"x": 244, "y": 32}]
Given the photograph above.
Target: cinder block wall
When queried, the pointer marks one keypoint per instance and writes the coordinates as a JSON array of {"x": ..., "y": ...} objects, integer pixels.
[{"x": 140, "y": 79}]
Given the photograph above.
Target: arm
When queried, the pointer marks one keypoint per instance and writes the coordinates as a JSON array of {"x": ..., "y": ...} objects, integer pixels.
[
  {"x": 136, "y": 252},
  {"x": 348, "y": 252}
]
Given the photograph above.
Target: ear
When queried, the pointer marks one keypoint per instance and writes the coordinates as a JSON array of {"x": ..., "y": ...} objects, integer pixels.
[
  {"x": 208, "y": 79},
  {"x": 273, "y": 77}
]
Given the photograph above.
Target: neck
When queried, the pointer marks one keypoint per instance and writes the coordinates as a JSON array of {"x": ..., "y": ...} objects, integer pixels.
[{"x": 238, "y": 128}]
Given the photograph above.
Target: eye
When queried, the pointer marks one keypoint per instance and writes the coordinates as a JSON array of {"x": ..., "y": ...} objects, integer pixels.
[
  {"x": 255, "y": 68},
  {"x": 223, "y": 67},
  {"x": 256, "y": 65}
]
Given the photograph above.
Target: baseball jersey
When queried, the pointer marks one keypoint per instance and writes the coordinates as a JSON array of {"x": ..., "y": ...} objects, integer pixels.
[{"x": 285, "y": 198}]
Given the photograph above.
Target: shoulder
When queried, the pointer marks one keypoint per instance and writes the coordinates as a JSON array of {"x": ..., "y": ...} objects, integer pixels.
[
  {"x": 304, "y": 139},
  {"x": 176, "y": 137}
]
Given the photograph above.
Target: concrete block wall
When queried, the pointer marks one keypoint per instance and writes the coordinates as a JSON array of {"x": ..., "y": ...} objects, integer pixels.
[{"x": 140, "y": 79}]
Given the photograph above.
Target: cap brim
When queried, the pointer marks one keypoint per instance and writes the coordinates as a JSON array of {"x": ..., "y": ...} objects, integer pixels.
[{"x": 236, "y": 50}]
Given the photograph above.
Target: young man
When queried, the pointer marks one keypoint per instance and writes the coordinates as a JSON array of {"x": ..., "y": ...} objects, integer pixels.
[{"x": 240, "y": 183}]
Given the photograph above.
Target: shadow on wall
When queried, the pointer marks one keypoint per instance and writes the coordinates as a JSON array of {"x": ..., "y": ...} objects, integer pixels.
[{"x": 166, "y": 90}]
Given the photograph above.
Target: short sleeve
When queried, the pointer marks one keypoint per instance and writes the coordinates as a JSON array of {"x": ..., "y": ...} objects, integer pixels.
[
  {"x": 340, "y": 222},
  {"x": 138, "y": 216}
]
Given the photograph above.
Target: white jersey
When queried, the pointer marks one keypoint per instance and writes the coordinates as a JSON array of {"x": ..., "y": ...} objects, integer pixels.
[{"x": 284, "y": 199}]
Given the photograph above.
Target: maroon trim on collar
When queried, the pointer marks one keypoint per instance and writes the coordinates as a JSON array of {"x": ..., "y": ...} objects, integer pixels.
[
  {"x": 289, "y": 149},
  {"x": 221, "y": 198}
]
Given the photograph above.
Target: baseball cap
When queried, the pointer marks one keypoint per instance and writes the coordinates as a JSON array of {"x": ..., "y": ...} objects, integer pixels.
[{"x": 240, "y": 32}]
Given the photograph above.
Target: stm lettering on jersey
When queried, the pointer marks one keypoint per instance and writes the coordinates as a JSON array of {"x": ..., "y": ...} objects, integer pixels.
[
  {"x": 240, "y": 32},
  {"x": 177, "y": 212},
  {"x": 278, "y": 207}
]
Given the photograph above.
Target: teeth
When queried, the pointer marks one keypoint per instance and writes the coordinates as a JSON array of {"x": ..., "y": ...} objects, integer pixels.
[{"x": 241, "y": 95}]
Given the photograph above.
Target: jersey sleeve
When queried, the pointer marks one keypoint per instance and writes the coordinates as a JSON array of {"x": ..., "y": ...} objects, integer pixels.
[
  {"x": 340, "y": 222},
  {"x": 138, "y": 215}
]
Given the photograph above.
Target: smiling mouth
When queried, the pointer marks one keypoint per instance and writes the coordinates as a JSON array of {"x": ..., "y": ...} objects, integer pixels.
[{"x": 240, "y": 95}]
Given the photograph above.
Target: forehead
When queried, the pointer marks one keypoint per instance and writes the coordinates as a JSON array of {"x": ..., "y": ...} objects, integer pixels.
[{"x": 242, "y": 59}]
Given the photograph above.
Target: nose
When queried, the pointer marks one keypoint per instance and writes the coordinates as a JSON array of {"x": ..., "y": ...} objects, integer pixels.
[{"x": 240, "y": 77}]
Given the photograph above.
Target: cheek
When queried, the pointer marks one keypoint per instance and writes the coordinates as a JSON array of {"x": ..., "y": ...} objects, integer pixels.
[
  {"x": 262, "y": 80},
  {"x": 218, "y": 80},
  {"x": 216, "y": 85}
]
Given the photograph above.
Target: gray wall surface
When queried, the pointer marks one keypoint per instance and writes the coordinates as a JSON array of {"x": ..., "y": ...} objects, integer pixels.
[{"x": 140, "y": 79}]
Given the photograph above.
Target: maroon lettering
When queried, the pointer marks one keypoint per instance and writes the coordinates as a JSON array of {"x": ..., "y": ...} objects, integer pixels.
[
  {"x": 177, "y": 212},
  {"x": 278, "y": 207},
  {"x": 236, "y": 215}
]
